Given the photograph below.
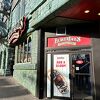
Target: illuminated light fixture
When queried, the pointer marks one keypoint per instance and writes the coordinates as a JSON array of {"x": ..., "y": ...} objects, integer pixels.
[
  {"x": 98, "y": 14},
  {"x": 86, "y": 11}
]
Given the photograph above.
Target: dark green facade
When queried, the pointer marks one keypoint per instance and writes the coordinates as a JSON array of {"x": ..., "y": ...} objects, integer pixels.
[
  {"x": 26, "y": 73},
  {"x": 42, "y": 20}
]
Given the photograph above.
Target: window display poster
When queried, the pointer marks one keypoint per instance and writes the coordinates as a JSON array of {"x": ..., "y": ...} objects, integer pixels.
[
  {"x": 48, "y": 75},
  {"x": 60, "y": 73},
  {"x": 61, "y": 82}
]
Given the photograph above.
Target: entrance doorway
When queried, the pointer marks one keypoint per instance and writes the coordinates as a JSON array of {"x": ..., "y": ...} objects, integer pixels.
[
  {"x": 69, "y": 75},
  {"x": 11, "y": 56},
  {"x": 81, "y": 75}
]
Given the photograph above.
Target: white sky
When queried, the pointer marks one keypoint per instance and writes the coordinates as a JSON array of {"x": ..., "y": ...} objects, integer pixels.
[{"x": 0, "y": 0}]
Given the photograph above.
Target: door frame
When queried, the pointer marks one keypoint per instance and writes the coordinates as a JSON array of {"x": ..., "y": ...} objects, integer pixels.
[
  {"x": 91, "y": 72},
  {"x": 73, "y": 52}
]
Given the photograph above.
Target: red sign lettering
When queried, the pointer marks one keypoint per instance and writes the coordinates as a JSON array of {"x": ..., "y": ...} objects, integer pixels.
[{"x": 69, "y": 41}]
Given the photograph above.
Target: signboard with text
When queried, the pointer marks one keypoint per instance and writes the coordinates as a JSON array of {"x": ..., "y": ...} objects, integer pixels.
[
  {"x": 17, "y": 32},
  {"x": 69, "y": 41}
]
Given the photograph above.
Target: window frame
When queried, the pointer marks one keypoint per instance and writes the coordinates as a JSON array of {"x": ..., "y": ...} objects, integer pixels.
[{"x": 20, "y": 59}]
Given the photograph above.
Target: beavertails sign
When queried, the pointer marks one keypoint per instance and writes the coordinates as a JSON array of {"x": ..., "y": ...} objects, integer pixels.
[
  {"x": 69, "y": 41},
  {"x": 18, "y": 31}
]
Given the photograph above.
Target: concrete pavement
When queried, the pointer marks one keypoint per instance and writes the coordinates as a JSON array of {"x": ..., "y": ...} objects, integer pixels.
[{"x": 10, "y": 89}]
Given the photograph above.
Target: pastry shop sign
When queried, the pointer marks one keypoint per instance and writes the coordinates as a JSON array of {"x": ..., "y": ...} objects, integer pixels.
[
  {"x": 69, "y": 41},
  {"x": 79, "y": 62},
  {"x": 18, "y": 31}
]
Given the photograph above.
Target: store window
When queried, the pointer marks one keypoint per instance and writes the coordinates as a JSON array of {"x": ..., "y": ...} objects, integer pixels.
[
  {"x": 4, "y": 59},
  {"x": 19, "y": 10},
  {"x": 19, "y": 53},
  {"x": 24, "y": 51},
  {"x": 0, "y": 59},
  {"x": 29, "y": 49}
]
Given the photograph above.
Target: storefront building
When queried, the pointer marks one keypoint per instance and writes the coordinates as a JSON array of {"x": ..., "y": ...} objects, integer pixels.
[
  {"x": 69, "y": 59},
  {"x": 4, "y": 14},
  {"x": 3, "y": 60},
  {"x": 57, "y": 48},
  {"x": 21, "y": 37}
]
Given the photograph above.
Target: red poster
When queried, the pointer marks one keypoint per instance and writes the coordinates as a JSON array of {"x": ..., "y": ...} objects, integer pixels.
[{"x": 69, "y": 41}]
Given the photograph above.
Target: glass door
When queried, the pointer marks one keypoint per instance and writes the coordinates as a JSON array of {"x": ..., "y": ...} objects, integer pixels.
[
  {"x": 81, "y": 76},
  {"x": 69, "y": 75}
]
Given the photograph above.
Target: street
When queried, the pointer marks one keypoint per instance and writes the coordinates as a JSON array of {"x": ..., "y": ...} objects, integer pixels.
[{"x": 10, "y": 89}]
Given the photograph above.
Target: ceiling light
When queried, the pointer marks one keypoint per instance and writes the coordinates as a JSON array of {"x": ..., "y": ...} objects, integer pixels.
[
  {"x": 98, "y": 14},
  {"x": 86, "y": 11}
]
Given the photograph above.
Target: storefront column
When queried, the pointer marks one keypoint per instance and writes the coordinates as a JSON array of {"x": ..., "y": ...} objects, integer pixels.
[
  {"x": 40, "y": 68},
  {"x": 16, "y": 48},
  {"x": 35, "y": 48},
  {"x": 6, "y": 69},
  {"x": 2, "y": 63},
  {"x": 96, "y": 60}
]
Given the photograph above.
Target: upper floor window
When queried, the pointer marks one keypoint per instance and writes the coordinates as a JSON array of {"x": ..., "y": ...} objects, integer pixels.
[
  {"x": 61, "y": 31},
  {"x": 19, "y": 10}
]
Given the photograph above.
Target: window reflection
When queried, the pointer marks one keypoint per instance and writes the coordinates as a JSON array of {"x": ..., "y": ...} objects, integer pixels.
[
  {"x": 21, "y": 53},
  {"x": 24, "y": 51},
  {"x": 29, "y": 49},
  {"x": 81, "y": 62},
  {"x": 0, "y": 58},
  {"x": 81, "y": 80}
]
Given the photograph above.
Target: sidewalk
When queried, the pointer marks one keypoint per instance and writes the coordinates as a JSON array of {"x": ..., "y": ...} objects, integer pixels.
[{"x": 10, "y": 89}]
